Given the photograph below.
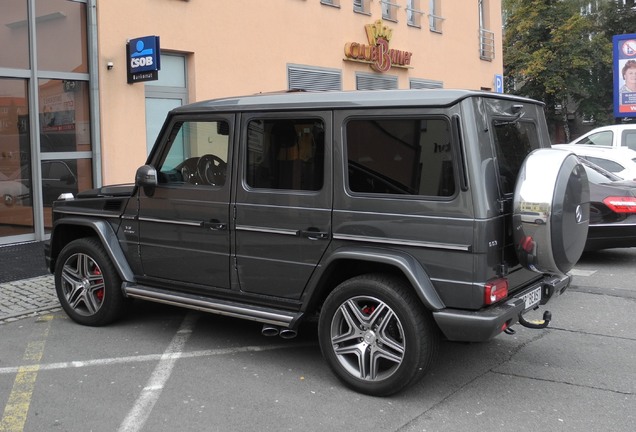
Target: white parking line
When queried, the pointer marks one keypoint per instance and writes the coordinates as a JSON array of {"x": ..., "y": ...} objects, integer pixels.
[
  {"x": 585, "y": 273},
  {"x": 153, "y": 357},
  {"x": 142, "y": 408}
]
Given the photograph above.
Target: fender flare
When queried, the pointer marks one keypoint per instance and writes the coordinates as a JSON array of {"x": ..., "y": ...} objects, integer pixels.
[
  {"x": 406, "y": 263},
  {"x": 107, "y": 237}
]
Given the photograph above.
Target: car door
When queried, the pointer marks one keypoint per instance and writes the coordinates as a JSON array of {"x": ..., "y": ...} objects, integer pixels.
[
  {"x": 283, "y": 201},
  {"x": 184, "y": 238}
]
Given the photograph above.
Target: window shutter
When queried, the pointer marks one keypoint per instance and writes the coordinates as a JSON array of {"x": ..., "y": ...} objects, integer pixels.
[
  {"x": 312, "y": 78},
  {"x": 425, "y": 84},
  {"x": 376, "y": 82}
]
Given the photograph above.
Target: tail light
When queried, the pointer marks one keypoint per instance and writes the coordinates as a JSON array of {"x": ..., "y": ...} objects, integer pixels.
[
  {"x": 495, "y": 290},
  {"x": 621, "y": 204}
]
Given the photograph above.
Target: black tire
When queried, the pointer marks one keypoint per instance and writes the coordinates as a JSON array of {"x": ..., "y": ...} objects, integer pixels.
[
  {"x": 87, "y": 283},
  {"x": 387, "y": 345}
]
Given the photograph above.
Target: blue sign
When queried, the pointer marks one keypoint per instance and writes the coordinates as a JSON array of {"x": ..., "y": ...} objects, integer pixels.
[
  {"x": 624, "y": 75},
  {"x": 499, "y": 83},
  {"x": 143, "y": 57}
]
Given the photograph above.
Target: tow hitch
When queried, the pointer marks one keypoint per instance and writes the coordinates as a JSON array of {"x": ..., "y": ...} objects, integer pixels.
[
  {"x": 533, "y": 324},
  {"x": 536, "y": 324}
]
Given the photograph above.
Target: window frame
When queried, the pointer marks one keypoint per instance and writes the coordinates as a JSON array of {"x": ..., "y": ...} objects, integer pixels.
[
  {"x": 332, "y": 3},
  {"x": 362, "y": 7},
  {"x": 157, "y": 160},
  {"x": 414, "y": 13},
  {"x": 246, "y": 175},
  {"x": 408, "y": 116},
  {"x": 389, "y": 10},
  {"x": 435, "y": 18}
]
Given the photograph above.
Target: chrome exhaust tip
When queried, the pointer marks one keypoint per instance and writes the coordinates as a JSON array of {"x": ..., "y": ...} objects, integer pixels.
[
  {"x": 288, "y": 333},
  {"x": 269, "y": 330}
]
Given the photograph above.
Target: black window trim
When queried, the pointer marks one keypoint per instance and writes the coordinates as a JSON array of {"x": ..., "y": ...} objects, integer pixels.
[
  {"x": 403, "y": 116},
  {"x": 246, "y": 117}
]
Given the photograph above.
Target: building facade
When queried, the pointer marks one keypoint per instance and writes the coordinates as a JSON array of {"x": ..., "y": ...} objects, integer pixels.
[{"x": 73, "y": 116}]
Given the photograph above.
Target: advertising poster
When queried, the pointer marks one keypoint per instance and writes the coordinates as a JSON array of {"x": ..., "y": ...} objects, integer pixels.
[{"x": 625, "y": 75}]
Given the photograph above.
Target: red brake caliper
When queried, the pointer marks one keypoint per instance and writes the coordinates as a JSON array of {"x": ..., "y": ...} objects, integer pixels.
[
  {"x": 368, "y": 310},
  {"x": 100, "y": 292}
]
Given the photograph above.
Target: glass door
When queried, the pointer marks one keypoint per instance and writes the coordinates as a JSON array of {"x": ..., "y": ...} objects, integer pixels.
[{"x": 16, "y": 182}]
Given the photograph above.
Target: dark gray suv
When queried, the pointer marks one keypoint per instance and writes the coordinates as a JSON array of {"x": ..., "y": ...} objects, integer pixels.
[{"x": 392, "y": 217}]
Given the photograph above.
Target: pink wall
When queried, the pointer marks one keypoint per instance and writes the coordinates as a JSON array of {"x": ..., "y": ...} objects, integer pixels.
[{"x": 244, "y": 46}]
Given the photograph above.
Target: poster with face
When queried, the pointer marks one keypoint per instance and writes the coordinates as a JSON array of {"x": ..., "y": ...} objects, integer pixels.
[{"x": 625, "y": 75}]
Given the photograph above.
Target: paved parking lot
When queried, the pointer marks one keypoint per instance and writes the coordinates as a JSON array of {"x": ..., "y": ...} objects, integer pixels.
[{"x": 164, "y": 369}]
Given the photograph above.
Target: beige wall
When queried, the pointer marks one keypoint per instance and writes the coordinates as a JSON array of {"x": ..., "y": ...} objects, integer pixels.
[{"x": 244, "y": 46}]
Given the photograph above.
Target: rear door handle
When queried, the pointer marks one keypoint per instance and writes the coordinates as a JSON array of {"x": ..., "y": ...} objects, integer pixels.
[
  {"x": 215, "y": 225},
  {"x": 313, "y": 234}
]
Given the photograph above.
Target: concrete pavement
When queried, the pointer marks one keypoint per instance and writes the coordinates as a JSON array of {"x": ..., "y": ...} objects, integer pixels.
[
  {"x": 27, "y": 297},
  {"x": 26, "y": 287}
]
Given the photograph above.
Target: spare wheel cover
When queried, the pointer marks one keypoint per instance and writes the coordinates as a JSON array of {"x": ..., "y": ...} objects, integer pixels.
[{"x": 553, "y": 183}]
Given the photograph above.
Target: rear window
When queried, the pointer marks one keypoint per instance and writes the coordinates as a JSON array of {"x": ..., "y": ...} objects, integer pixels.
[
  {"x": 611, "y": 166},
  {"x": 629, "y": 138},
  {"x": 513, "y": 142},
  {"x": 400, "y": 156}
]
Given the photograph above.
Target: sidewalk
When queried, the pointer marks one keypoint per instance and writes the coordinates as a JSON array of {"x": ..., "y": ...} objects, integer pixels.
[
  {"x": 27, "y": 297},
  {"x": 26, "y": 287}
]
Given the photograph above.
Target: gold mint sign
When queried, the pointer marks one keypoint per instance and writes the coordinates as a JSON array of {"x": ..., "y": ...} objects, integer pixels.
[{"x": 377, "y": 52}]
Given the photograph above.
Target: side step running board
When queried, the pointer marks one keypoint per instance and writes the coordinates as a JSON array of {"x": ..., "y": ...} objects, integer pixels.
[{"x": 192, "y": 301}]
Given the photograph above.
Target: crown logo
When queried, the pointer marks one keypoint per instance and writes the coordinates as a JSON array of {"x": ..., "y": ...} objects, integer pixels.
[{"x": 376, "y": 31}]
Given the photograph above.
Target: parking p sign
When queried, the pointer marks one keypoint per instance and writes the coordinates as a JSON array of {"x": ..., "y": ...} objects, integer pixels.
[{"x": 499, "y": 83}]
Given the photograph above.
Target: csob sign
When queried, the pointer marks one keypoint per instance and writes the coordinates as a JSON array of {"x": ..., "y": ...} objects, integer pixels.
[
  {"x": 143, "y": 59},
  {"x": 377, "y": 52}
]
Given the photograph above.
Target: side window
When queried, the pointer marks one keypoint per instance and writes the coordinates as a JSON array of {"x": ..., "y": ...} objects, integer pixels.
[
  {"x": 198, "y": 152},
  {"x": 285, "y": 154},
  {"x": 513, "y": 142},
  {"x": 601, "y": 139},
  {"x": 400, "y": 156},
  {"x": 629, "y": 139}
]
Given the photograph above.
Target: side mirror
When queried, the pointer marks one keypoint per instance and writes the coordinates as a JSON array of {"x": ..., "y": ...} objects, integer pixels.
[
  {"x": 146, "y": 177},
  {"x": 69, "y": 179}
]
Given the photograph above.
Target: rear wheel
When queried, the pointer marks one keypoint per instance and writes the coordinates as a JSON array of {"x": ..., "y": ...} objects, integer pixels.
[
  {"x": 87, "y": 283},
  {"x": 376, "y": 336}
]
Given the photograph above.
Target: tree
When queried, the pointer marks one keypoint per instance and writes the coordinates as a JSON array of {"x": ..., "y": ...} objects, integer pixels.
[{"x": 551, "y": 53}]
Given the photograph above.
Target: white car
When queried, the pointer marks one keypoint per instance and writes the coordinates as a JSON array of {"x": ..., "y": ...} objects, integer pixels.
[
  {"x": 619, "y": 161},
  {"x": 622, "y": 135},
  {"x": 12, "y": 191}
]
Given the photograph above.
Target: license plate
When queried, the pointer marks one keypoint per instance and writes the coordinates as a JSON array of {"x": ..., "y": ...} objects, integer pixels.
[{"x": 532, "y": 298}]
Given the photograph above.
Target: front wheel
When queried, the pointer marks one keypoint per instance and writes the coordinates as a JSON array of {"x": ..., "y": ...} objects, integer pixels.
[
  {"x": 87, "y": 284},
  {"x": 376, "y": 335}
]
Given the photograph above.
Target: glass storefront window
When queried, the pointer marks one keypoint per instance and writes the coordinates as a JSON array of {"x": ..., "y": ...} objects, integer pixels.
[
  {"x": 16, "y": 205},
  {"x": 64, "y": 116},
  {"x": 14, "y": 35},
  {"x": 62, "y": 176},
  {"x": 61, "y": 35}
]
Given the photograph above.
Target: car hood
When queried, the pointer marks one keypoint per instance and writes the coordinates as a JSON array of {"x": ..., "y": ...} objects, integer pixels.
[{"x": 121, "y": 190}]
